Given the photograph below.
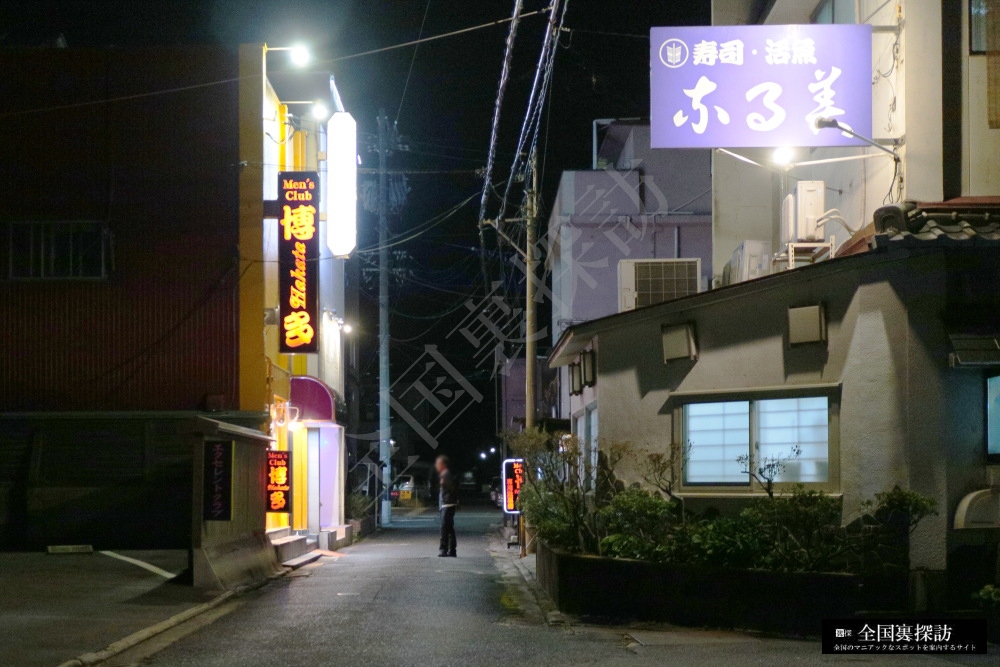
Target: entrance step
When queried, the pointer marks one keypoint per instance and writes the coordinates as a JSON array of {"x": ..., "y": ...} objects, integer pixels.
[
  {"x": 278, "y": 533},
  {"x": 292, "y": 546},
  {"x": 304, "y": 559}
]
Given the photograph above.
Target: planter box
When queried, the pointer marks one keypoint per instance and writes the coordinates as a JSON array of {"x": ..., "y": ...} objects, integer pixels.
[
  {"x": 782, "y": 602},
  {"x": 362, "y": 527}
]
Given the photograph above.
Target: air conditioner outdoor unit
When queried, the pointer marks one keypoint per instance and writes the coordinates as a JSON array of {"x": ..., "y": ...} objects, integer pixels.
[
  {"x": 751, "y": 259},
  {"x": 800, "y": 212},
  {"x": 644, "y": 282}
]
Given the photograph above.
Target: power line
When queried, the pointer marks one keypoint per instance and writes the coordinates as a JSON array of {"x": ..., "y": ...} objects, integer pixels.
[
  {"x": 219, "y": 82},
  {"x": 513, "y": 19},
  {"x": 427, "y": 226},
  {"x": 406, "y": 85},
  {"x": 494, "y": 133},
  {"x": 605, "y": 32},
  {"x": 536, "y": 101}
]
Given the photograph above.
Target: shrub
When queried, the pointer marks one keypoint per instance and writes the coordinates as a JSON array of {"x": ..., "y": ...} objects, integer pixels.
[
  {"x": 719, "y": 542},
  {"x": 989, "y": 598},
  {"x": 563, "y": 490},
  {"x": 900, "y": 508},
  {"x": 358, "y": 505},
  {"x": 637, "y": 524},
  {"x": 800, "y": 532}
]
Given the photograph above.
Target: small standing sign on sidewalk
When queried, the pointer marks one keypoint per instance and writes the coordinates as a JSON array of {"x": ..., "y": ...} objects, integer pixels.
[{"x": 512, "y": 480}]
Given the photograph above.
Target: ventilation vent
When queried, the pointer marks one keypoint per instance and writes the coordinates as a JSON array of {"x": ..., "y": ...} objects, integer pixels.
[{"x": 644, "y": 282}]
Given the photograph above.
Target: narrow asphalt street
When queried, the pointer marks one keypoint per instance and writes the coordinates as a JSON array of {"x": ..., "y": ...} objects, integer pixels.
[{"x": 391, "y": 601}]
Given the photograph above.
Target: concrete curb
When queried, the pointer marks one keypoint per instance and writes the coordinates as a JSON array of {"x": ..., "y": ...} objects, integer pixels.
[
  {"x": 550, "y": 615},
  {"x": 146, "y": 633},
  {"x": 136, "y": 638}
]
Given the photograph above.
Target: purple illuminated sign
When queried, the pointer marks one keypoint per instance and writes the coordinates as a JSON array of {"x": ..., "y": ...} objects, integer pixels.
[{"x": 759, "y": 85}]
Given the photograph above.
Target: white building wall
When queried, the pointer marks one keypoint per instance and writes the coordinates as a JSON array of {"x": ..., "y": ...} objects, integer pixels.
[
  {"x": 907, "y": 106},
  {"x": 980, "y": 144},
  {"x": 898, "y": 422}
]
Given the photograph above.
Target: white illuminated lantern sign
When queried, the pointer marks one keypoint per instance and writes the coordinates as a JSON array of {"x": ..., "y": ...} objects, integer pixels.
[{"x": 342, "y": 184}]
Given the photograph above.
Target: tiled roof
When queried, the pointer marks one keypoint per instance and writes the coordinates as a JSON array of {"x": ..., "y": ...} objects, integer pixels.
[{"x": 961, "y": 222}]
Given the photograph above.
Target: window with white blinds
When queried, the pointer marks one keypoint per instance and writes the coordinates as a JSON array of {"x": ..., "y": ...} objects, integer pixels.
[
  {"x": 719, "y": 433},
  {"x": 785, "y": 423}
]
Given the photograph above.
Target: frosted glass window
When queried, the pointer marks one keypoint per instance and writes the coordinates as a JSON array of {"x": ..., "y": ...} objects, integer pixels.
[
  {"x": 982, "y": 13},
  {"x": 784, "y": 423},
  {"x": 718, "y": 434},
  {"x": 592, "y": 435},
  {"x": 993, "y": 415}
]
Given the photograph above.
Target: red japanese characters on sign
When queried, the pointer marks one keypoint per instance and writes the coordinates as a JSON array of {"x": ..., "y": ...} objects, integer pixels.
[
  {"x": 513, "y": 480},
  {"x": 279, "y": 482}
]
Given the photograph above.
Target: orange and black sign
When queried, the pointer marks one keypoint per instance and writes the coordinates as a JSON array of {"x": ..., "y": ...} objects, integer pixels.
[
  {"x": 217, "y": 475},
  {"x": 298, "y": 255},
  {"x": 513, "y": 480},
  {"x": 279, "y": 482}
]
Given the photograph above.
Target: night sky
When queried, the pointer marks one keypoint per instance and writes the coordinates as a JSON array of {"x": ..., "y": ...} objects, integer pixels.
[{"x": 601, "y": 71}]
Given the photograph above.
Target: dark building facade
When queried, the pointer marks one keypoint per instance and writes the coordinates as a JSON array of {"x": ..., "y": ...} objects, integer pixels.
[{"x": 120, "y": 280}]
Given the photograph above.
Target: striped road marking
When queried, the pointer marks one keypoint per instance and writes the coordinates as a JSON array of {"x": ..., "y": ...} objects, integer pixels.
[{"x": 143, "y": 564}]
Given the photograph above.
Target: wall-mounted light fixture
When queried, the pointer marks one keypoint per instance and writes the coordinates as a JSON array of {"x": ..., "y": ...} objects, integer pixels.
[
  {"x": 588, "y": 363},
  {"x": 575, "y": 380},
  {"x": 284, "y": 413}
]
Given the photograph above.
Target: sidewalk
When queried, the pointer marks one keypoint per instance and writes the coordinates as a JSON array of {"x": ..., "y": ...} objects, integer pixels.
[
  {"x": 54, "y": 608},
  {"x": 662, "y": 643}
]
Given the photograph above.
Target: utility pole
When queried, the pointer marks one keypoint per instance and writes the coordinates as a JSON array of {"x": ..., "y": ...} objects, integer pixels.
[
  {"x": 531, "y": 324},
  {"x": 530, "y": 311},
  {"x": 530, "y": 320},
  {"x": 384, "y": 423}
]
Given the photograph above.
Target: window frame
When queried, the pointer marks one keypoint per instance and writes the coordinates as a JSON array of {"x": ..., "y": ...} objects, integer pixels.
[
  {"x": 984, "y": 47},
  {"x": 752, "y": 488},
  {"x": 991, "y": 457},
  {"x": 105, "y": 250},
  {"x": 588, "y": 445},
  {"x": 832, "y": 5}
]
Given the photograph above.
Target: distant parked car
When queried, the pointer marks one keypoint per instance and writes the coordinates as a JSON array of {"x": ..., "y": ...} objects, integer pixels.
[
  {"x": 467, "y": 483},
  {"x": 403, "y": 490}
]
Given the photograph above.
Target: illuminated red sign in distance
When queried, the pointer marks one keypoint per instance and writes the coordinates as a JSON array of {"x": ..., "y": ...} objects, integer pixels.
[
  {"x": 513, "y": 480},
  {"x": 279, "y": 482}
]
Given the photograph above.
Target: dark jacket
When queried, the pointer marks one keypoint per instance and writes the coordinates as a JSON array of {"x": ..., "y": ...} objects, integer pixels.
[{"x": 447, "y": 490}]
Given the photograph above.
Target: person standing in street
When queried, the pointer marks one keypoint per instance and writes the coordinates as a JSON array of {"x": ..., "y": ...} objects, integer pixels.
[{"x": 447, "y": 503}]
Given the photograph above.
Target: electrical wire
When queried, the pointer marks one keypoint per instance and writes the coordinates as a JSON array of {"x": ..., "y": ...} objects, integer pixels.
[
  {"x": 605, "y": 32},
  {"x": 143, "y": 355},
  {"x": 219, "y": 82},
  {"x": 513, "y": 20},
  {"x": 421, "y": 229},
  {"x": 416, "y": 47},
  {"x": 495, "y": 131},
  {"x": 535, "y": 103}
]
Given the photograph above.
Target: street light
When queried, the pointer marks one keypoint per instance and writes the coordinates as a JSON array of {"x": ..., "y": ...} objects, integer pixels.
[
  {"x": 834, "y": 124},
  {"x": 299, "y": 55},
  {"x": 482, "y": 455},
  {"x": 320, "y": 112},
  {"x": 782, "y": 155}
]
